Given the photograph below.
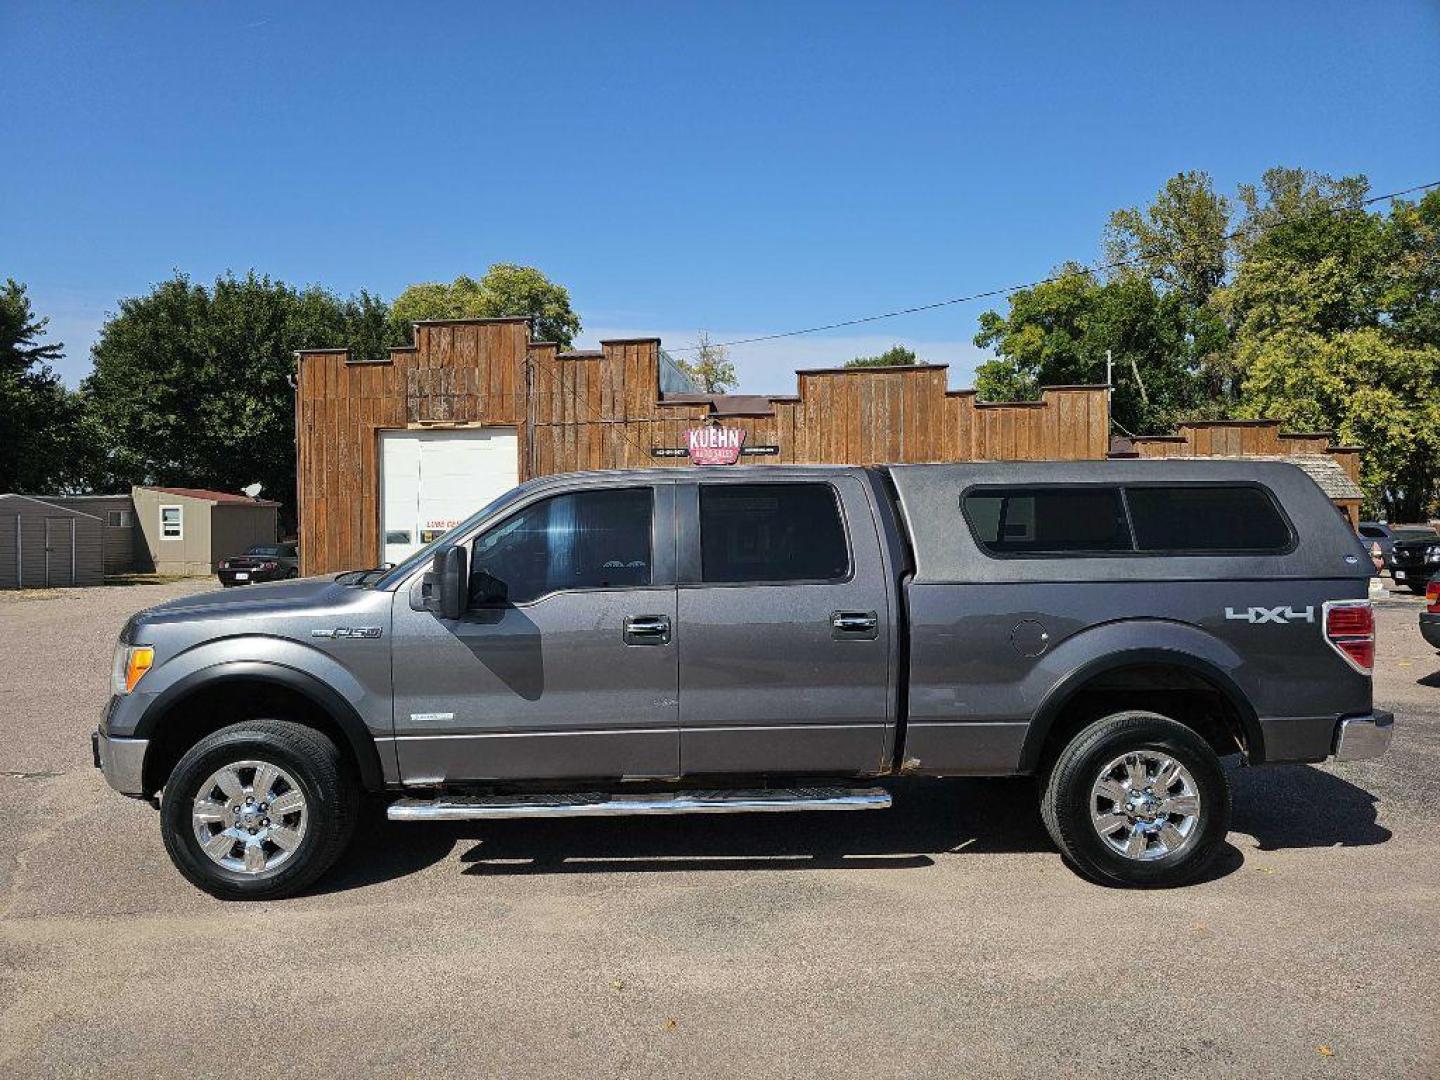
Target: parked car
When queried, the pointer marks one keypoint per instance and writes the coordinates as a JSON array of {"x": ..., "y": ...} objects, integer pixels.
[
  {"x": 1376, "y": 534},
  {"x": 1414, "y": 557},
  {"x": 706, "y": 641},
  {"x": 1430, "y": 617},
  {"x": 262, "y": 562}
]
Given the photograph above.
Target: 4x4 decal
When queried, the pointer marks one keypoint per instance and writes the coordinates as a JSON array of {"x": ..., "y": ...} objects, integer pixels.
[{"x": 1257, "y": 615}]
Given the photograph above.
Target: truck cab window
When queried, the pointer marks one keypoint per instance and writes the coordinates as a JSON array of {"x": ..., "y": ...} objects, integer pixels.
[
  {"x": 771, "y": 532},
  {"x": 582, "y": 540}
]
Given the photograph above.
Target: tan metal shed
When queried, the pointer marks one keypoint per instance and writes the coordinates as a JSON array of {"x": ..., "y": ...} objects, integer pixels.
[
  {"x": 45, "y": 546},
  {"x": 189, "y": 530}
]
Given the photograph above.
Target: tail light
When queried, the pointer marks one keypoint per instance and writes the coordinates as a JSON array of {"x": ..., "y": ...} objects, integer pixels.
[
  {"x": 1350, "y": 630},
  {"x": 1432, "y": 596},
  {"x": 224, "y": 565}
]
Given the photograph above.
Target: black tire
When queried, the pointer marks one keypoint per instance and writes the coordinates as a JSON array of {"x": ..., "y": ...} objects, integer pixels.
[
  {"x": 1066, "y": 803},
  {"x": 331, "y": 801}
]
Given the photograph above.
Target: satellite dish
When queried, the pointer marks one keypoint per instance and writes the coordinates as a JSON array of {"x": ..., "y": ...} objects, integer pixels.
[{"x": 253, "y": 490}]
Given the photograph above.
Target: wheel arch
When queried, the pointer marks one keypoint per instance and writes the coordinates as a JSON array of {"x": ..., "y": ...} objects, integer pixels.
[
  {"x": 1100, "y": 672},
  {"x": 229, "y": 693}
]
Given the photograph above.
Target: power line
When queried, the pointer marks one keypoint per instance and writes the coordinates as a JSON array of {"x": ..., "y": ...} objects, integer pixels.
[{"x": 1008, "y": 289}]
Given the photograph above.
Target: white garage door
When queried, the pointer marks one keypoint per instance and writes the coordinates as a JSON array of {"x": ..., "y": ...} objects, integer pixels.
[{"x": 430, "y": 481}]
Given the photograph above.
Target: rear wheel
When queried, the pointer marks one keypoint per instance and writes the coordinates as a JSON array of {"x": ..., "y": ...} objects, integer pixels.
[
  {"x": 1137, "y": 799},
  {"x": 257, "y": 811}
]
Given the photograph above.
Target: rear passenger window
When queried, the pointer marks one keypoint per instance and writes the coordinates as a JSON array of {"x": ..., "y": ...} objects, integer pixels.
[
  {"x": 1207, "y": 519},
  {"x": 771, "y": 532},
  {"x": 1047, "y": 521}
]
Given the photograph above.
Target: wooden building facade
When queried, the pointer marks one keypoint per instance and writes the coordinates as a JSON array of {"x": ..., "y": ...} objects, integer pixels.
[
  {"x": 599, "y": 409},
  {"x": 493, "y": 408}
]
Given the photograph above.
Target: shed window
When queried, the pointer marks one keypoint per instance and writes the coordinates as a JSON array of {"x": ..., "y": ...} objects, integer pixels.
[
  {"x": 172, "y": 522},
  {"x": 1211, "y": 519},
  {"x": 120, "y": 519},
  {"x": 1047, "y": 521}
]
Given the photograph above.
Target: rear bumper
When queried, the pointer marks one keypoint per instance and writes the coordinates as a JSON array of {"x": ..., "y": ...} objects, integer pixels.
[
  {"x": 1430, "y": 628},
  {"x": 122, "y": 761},
  {"x": 1358, "y": 738}
]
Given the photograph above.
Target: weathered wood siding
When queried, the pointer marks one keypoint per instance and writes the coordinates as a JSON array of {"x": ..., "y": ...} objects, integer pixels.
[
  {"x": 601, "y": 409},
  {"x": 1247, "y": 438}
]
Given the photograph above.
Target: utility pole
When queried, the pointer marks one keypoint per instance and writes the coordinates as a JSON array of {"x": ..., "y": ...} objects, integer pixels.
[{"x": 1109, "y": 376}]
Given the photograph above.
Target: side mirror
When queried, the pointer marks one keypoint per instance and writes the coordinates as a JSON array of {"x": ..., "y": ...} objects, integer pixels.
[
  {"x": 449, "y": 583},
  {"x": 486, "y": 588}
]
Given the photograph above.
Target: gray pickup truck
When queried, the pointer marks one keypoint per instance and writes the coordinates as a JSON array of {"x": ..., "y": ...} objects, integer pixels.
[{"x": 717, "y": 640}]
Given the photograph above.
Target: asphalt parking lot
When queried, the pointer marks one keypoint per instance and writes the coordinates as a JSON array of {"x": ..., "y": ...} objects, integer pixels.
[{"x": 943, "y": 938}]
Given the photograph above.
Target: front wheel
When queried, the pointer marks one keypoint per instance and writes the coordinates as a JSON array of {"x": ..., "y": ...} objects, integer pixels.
[
  {"x": 1138, "y": 799},
  {"x": 257, "y": 811}
]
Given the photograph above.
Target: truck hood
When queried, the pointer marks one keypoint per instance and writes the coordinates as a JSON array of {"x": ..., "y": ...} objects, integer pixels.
[{"x": 308, "y": 594}]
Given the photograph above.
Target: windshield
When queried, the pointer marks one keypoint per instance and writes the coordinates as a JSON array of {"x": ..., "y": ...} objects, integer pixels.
[
  {"x": 401, "y": 571},
  {"x": 1414, "y": 534}
]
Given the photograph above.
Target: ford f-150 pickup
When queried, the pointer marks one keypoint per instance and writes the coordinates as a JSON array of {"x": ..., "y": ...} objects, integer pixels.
[{"x": 772, "y": 638}]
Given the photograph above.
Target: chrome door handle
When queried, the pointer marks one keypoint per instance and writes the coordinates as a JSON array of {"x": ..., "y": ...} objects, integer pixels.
[
  {"x": 858, "y": 625},
  {"x": 647, "y": 630}
]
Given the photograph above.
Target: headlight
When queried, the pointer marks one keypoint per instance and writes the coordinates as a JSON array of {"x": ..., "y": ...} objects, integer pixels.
[{"x": 131, "y": 664}]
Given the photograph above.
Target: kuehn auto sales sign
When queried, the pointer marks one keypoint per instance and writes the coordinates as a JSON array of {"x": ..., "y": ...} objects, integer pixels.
[{"x": 715, "y": 445}]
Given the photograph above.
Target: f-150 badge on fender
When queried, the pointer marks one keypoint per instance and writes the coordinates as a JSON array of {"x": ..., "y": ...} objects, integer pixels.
[
  {"x": 348, "y": 632},
  {"x": 1258, "y": 615}
]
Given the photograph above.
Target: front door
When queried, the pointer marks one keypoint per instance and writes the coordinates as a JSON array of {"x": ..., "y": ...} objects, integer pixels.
[
  {"x": 564, "y": 666},
  {"x": 785, "y": 630}
]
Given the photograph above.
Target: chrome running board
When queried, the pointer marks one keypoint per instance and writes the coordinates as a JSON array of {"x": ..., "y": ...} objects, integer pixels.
[{"x": 599, "y": 804}]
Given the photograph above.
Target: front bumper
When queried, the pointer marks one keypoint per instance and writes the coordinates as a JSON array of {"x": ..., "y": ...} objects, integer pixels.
[
  {"x": 1412, "y": 572},
  {"x": 252, "y": 577},
  {"x": 1360, "y": 737},
  {"x": 121, "y": 760},
  {"x": 1430, "y": 628}
]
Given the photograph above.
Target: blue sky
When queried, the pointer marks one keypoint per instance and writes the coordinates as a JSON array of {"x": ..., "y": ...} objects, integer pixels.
[{"x": 740, "y": 168}]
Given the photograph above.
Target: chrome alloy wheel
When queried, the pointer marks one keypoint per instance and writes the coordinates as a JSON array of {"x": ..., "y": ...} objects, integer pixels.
[
  {"x": 1145, "y": 805},
  {"x": 250, "y": 816}
]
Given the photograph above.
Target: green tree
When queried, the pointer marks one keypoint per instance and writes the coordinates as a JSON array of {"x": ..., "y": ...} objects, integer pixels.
[
  {"x": 1058, "y": 333},
  {"x": 191, "y": 384},
  {"x": 1180, "y": 240},
  {"x": 895, "y": 356},
  {"x": 506, "y": 289},
  {"x": 1311, "y": 256},
  {"x": 38, "y": 416},
  {"x": 710, "y": 366},
  {"x": 1370, "y": 388},
  {"x": 1412, "y": 248}
]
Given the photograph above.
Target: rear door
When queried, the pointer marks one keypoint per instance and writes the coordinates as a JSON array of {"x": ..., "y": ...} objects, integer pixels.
[{"x": 785, "y": 628}]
